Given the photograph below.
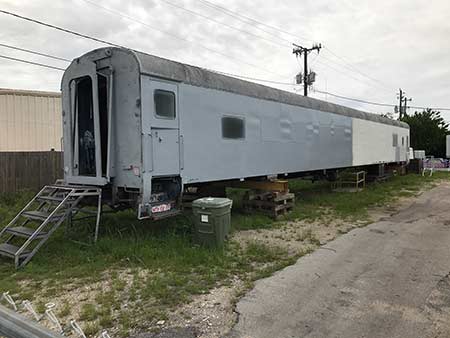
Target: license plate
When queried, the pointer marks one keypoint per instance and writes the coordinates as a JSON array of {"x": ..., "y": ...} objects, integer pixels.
[{"x": 161, "y": 208}]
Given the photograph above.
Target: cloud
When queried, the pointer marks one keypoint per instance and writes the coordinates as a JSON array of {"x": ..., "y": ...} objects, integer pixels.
[{"x": 399, "y": 43}]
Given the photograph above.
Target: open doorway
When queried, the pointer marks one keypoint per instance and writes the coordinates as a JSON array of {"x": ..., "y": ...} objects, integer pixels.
[
  {"x": 87, "y": 136},
  {"x": 86, "y": 129}
]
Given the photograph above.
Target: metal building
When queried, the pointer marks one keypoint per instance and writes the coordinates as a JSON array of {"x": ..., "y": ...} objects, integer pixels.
[{"x": 30, "y": 120}]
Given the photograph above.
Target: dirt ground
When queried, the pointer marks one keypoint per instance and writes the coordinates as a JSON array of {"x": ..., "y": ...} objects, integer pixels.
[
  {"x": 212, "y": 315},
  {"x": 389, "y": 279}
]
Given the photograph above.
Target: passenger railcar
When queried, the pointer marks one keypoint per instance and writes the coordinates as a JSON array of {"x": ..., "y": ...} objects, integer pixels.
[{"x": 144, "y": 127}]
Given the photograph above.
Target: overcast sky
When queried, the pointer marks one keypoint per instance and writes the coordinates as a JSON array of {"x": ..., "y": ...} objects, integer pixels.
[{"x": 371, "y": 47}]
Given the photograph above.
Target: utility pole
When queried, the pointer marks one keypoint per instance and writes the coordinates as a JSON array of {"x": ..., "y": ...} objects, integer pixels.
[
  {"x": 405, "y": 106},
  {"x": 403, "y": 103},
  {"x": 400, "y": 97},
  {"x": 308, "y": 77}
]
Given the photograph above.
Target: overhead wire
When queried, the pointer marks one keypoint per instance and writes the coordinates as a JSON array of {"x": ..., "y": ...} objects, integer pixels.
[
  {"x": 34, "y": 52},
  {"x": 349, "y": 75},
  {"x": 130, "y": 18},
  {"x": 350, "y": 67},
  {"x": 60, "y": 28},
  {"x": 206, "y": 17},
  {"x": 237, "y": 15},
  {"x": 247, "y": 19},
  {"x": 354, "y": 99},
  {"x": 376, "y": 103},
  {"x": 145, "y": 24},
  {"x": 31, "y": 62},
  {"x": 227, "y": 74},
  {"x": 229, "y": 26}
]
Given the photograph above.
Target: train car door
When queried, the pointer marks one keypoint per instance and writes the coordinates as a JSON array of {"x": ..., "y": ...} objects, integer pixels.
[{"x": 164, "y": 127}]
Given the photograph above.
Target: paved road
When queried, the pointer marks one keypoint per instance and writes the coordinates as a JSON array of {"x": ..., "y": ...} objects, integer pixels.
[{"x": 389, "y": 279}]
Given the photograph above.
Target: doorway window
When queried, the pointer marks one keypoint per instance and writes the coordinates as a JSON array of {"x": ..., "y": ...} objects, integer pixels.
[{"x": 164, "y": 104}]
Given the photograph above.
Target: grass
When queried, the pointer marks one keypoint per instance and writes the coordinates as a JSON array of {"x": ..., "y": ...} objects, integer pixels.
[
  {"x": 317, "y": 201},
  {"x": 155, "y": 267}
]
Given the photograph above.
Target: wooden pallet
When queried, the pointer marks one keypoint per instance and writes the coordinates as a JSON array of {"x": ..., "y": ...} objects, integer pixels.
[
  {"x": 273, "y": 204},
  {"x": 188, "y": 199}
]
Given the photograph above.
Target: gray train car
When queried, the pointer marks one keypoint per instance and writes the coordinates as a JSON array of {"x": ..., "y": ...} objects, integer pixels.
[{"x": 143, "y": 128}]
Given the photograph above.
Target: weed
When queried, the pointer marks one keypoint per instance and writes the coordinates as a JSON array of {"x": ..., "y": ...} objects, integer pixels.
[
  {"x": 88, "y": 312},
  {"x": 91, "y": 329},
  {"x": 65, "y": 310}
]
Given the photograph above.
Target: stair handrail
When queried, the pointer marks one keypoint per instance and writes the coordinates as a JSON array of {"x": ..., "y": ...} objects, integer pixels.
[
  {"x": 14, "y": 220},
  {"x": 39, "y": 229},
  {"x": 43, "y": 240}
]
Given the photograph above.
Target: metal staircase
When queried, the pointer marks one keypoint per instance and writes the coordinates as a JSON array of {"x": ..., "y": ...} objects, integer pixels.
[{"x": 37, "y": 221}]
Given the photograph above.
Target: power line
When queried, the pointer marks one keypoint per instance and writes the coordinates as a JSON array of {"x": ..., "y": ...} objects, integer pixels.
[
  {"x": 140, "y": 22},
  {"x": 244, "y": 19},
  {"x": 376, "y": 103},
  {"x": 425, "y": 108},
  {"x": 60, "y": 28},
  {"x": 128, "y": 17},
  {"x": 252, "y": 78},
  {"x": 354, "y": 99},
  {"x": 219, "y": 72},
  {"x": 242, "y": 77},
  {"x": 350, "y": 66},
  {"x": 349, "y": 75},
  {"x": 206, "y": 17},
  {"x": 31, "y": 62},
  {"x": 318, "y": 91},
  {"x": 34, "y": 52},
  {"x": 240, "y": 16}
]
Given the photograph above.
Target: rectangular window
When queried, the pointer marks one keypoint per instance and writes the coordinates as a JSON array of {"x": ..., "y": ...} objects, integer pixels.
[
  {"x": 394, "y": 140},
  {"x": 403, "y": 141},
  {"x": 164, "y": 104},
  {"x": 407, "y": 141},
  {"x": 233, "y": 127}
]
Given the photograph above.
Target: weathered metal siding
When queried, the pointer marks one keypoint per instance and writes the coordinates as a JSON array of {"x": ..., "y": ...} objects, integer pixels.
[
  {"x": 30, "y": 120},
  {"x": 279, "y": 138}
]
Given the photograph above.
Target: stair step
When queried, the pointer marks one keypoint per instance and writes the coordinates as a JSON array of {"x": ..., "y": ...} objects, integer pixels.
[
  {"x": 24, "y": 232},
  {"x": 40, "y": 215},
  {"x": 10, "y": 250},
  {"x": 57, "y": 199}
]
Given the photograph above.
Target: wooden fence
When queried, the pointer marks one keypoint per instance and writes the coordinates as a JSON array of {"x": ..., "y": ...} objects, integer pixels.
[{"x": 29, "y": 170}]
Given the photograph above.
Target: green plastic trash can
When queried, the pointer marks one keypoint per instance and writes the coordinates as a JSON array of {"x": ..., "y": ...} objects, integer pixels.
[{"x": 212, "y": 217}]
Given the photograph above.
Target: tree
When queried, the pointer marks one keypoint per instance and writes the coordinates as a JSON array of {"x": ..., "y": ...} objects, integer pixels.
[
  {"x": 428, "y": 132},
  {"x": 388, "y": 115}
]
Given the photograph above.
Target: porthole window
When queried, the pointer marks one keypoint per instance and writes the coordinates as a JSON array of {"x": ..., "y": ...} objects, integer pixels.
[
  {"x": 233, "y": 127},
  {"x": 164, "y": 104}
]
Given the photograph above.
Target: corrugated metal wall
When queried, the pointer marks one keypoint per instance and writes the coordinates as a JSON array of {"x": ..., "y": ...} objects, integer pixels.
[{"x": 30, "y": 120}]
